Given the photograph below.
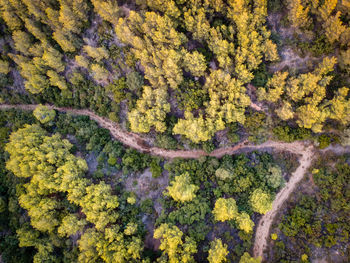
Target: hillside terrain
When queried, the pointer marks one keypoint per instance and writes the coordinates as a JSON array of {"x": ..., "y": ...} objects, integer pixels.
[{"x": 174, "y": 131}]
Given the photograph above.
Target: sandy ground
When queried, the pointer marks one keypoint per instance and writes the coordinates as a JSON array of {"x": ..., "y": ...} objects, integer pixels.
[{"x": 135, "y": 141}]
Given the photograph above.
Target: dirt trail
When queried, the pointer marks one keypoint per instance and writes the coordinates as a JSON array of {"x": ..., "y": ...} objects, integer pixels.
[
  {"x": 135, "y": 141},
  {"x": 263, "y": 229}
]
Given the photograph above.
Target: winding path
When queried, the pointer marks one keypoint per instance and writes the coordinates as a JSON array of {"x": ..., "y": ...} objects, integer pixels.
[{"x": 137, "y": 142}]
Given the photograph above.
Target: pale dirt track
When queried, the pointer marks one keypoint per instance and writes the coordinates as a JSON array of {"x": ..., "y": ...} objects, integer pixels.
[
  {"x": 263, "y": 228},
  {"x": 135, "y": 141}
]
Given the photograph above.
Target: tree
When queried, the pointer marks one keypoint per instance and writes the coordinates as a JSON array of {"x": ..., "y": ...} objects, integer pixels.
[
  {"x": 227, "y": 103},
  {"x": 82, "y": 61},
  {"x": 150, "y": 111},
  {"x": 44, "y": 114},
  {"x": 108, "y": 10},
  {"x": 298, "y": 14},
  {"x": 244, "y": 222},
  {"x": 99, "y": 205},
  {"x": 223, "y": 174},
  {"x": 260, "y": 201},
  {"x": 225, "y": 209},
  {"x": 65, "y": 40},
  {"x": 22, "y": 41},
  {"x": 339, "y": 106},
  {"x": 53, "y": 59},
  {"x": 71, "y": 224},
  {"x": 334, "y": 27},
  {"x": 344, "y": 60},
  {"x": 217, "y": 252},
  {"x": 274, "y": 176},
  {"x": 196, "y": 129},
  {"x": 134, "y": 82},
  {"x": 173, "y": 247},
  {"x": 275, "y": 87},
  {"x": 311, "y": 117},
  {"x": 285, "y": 112},
  {"x": 9, "y": 15},
  {"x": 195, "y": 63},
  {"x": 157, "y": 49},
  {"x": 4, "y": 67},
  {"x": 57, "y": 80},
  {"x": 246, "y": 258},
  {"x": 35, "y": 30},
  {"x": 181, "y": 190},
  {"x": 98, "y": 53},
  {"x": 270, "y": 50},
  {"x": 20, "y": 147},
  {"x": 100, "y": 73},
  {"x": 197, "y": 23},
  {"x": 326, "y": 9}
]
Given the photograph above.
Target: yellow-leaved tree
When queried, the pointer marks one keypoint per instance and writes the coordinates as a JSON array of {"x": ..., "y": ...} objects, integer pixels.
[
  {"x": 44, "y": 114},
  {"x": 181, "y": 189},
  {"x": 174, "y": 248},
  {"x": 261, "y": 201},
  {"x": 225, "y": 209},
  {"x": 217, "y": 252}
]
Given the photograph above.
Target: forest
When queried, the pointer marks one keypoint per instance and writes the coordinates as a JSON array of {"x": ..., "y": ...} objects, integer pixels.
[{"x": 174, "y": 131}]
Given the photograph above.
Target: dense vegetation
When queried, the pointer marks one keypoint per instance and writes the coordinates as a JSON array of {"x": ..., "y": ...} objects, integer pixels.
[
  {"x": 220, "y": 198},
  {"x": 184, "y": 74},
  {"x": 61, "y": 199},
  {"x": 318, "y": 221},
  {"x": 65, "y": 209}
]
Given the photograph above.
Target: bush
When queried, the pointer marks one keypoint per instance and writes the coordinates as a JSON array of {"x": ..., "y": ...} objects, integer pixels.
[
  {"x": 166, "y": 141},
  {"x": 134, "y": 82},
  {"x": 287, "y": 134},
  {"x": 155, "y": 168},
  {"x": 147, "y": 206},
  {"x": 260, "y": 76},
  {"x": 324, "y": 141},
  {"x": 208, "y": 146}
]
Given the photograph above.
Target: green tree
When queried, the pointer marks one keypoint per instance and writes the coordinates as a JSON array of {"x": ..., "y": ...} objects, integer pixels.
[
  {"x": 274, "y": 176},
  {"x": 134, "y": 82},
  {"x": 223, "y": 174}
]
